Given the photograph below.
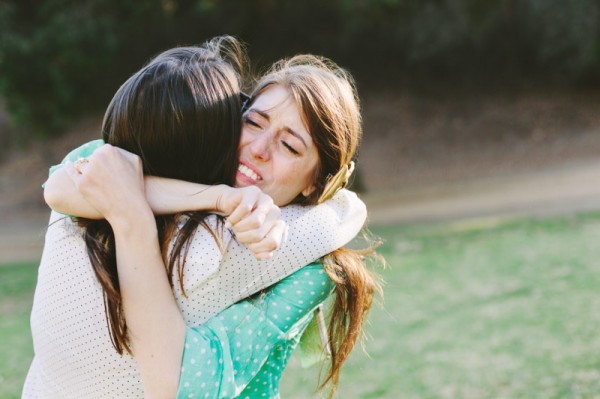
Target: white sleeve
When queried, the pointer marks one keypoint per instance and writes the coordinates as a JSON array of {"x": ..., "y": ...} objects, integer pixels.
[
  {"x": 314, "y": 231},
  {"x": 215, "y": 280}
]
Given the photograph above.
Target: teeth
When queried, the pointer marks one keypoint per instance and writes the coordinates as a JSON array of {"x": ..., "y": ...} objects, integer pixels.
[{"x": 246, "y": 171}]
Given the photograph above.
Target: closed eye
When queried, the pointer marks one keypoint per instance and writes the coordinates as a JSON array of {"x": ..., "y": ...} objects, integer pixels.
[
  {"x": 290, "y": 148},
  {"x": 250, "y": 122}
]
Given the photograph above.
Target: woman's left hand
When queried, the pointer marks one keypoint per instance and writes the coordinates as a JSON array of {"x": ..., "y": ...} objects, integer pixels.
[{"x": 112, "y": 181}]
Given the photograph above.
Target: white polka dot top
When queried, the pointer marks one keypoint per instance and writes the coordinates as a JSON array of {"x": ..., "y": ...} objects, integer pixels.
[{"x": 74, "y": 357}]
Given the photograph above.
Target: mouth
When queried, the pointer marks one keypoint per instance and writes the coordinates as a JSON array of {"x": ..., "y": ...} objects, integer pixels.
[{"x": 248, "y": 173}]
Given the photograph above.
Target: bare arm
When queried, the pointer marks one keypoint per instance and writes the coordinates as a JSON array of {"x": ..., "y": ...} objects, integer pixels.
[
  {"x": 164, "y": 196},
  {"x": 148, "y": 303},
  {"x": 156, "y": 328}
]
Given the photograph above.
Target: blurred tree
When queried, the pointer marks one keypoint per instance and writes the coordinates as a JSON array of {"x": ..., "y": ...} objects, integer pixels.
[{"x": 61, "y": 58}]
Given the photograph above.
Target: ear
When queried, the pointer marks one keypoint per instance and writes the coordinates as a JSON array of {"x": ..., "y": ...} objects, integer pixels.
[{"x": 308, "y": 190}]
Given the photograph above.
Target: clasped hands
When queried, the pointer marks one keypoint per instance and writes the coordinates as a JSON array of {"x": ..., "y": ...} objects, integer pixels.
[{"x": 112, "y": 181}]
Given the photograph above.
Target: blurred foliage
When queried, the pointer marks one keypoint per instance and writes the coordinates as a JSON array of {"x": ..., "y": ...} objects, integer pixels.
[{"x": 60, "y": 58}]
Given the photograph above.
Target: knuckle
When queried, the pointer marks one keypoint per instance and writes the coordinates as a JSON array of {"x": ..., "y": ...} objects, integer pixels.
[
  {"x": 270, "y": 244},
  {"x": 105, "y": 149},
  {"x": 276, "y": 211},
  {"x": 253, "y": 236},
  {"x": 84, "y": 184},
  {"x": 254, "y": 223},
  {"x": 267, "y": 199}
]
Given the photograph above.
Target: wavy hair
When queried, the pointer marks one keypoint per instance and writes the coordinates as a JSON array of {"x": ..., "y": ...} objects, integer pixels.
[
  {"x": 181, "y": 114},
  {"x": 330, "y": 107}
]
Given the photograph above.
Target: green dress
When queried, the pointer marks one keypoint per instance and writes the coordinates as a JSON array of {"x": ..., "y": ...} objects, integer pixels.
[{"x": 242, "y": 351}]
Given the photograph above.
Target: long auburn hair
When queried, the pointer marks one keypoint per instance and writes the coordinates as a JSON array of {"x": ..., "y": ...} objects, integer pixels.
[
  {"x": 181, "y": 114},
  {"x": 329, "y": 104}
]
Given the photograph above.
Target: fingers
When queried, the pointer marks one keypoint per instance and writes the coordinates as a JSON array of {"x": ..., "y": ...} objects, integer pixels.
[
  {"x": 241, "y": 211},
  {"x": 265, "y": 239},
  {"x": 264, "y": 249},
  {"x": 251, "y": 210},
  {"x": 110, "y": 180},
  {"x": 255, "y": 227},
  {"x": 70, "y": 170},
  {"x": 75, "y": 173}
]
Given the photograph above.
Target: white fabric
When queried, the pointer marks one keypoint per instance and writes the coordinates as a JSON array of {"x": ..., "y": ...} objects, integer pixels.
[{"x": 74, "y": 357}]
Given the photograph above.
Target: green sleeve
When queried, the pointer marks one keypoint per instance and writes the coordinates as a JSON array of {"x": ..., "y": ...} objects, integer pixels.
[
  {"x": 222, "y": 356},
  {"x": 82, "y": 151}
]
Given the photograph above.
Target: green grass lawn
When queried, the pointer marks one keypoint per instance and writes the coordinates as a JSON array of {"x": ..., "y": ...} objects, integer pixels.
[
  {"x": 481, "y": 309},
  {"x": 17, "y": 283},
  {"x": 478, "y": 309}
]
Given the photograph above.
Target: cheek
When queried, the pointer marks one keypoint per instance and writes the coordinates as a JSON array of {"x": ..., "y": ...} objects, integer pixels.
[
  {"x": 245, "y": 138},
  {"x": 300, "y": 177}
]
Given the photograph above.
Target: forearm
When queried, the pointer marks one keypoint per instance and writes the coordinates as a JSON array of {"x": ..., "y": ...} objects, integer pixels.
[
  {"x": 165, "y": 196},
  {"x": 156, "y": 327},
  {"x": 168, "y": 196}
]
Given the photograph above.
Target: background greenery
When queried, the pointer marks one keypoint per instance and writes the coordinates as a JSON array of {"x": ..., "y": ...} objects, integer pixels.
[
  {"x": 54, "y": 53},
  {"x": 487, "y": 308}
]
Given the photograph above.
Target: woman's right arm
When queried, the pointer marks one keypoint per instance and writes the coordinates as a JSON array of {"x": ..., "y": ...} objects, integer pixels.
[{"x": 165, "y": 196}]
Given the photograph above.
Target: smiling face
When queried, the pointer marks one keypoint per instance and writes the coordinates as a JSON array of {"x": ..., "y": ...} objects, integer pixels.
[{"x": 277, "y": 153}]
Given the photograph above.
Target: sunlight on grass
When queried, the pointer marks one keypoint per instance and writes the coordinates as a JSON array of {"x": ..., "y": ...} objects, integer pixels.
[
  {"x": 481, "y": 309},
  {"x": 488, "y": 308}
]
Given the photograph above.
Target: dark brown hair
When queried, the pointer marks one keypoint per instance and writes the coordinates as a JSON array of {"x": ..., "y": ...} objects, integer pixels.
[
  {"x": 328, "y": 102},
  {"x": 181, "y": 114}
]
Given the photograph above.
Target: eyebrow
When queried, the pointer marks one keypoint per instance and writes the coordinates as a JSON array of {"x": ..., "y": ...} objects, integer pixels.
[{"x": 286, "y": 128}]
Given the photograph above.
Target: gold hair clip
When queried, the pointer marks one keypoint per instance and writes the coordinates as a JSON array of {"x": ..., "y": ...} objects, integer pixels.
[{"x": 337, "y": 182}]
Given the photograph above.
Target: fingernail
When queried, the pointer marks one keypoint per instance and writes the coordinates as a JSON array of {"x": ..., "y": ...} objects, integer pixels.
[{"x": 227, "y": 224}]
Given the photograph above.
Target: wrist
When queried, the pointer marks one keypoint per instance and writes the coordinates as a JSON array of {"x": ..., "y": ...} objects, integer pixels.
[
  {"x": 136, "y": 218},
  {"x": 221, "y": 193}
]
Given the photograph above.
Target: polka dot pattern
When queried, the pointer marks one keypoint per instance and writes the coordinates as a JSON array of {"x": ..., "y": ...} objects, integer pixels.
[
  {"x": 69, "y": 327},
  {"x": 247, "y": 346},
  {"x": 74, "y": 356},
  {"x": 212, "y": 282}
]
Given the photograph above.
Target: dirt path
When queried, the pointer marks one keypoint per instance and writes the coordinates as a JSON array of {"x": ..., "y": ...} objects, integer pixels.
[{"x": 560, "y": 189}]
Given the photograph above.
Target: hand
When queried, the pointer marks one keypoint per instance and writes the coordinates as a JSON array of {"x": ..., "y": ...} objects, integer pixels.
[
  {"x": 254, "y": 219},
  {"x": 111, "y": 181}
]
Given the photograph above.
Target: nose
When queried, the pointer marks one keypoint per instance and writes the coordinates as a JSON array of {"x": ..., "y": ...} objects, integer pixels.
[{"x": 260, "y": 146}]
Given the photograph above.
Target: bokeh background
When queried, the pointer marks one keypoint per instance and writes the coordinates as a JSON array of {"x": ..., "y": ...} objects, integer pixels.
[{"x": 480, "y": 166}]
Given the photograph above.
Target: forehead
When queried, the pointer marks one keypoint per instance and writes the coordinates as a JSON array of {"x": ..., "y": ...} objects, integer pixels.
[
  {"x": 278, "y": 102},
  {"x": 273, "y": 96}
]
